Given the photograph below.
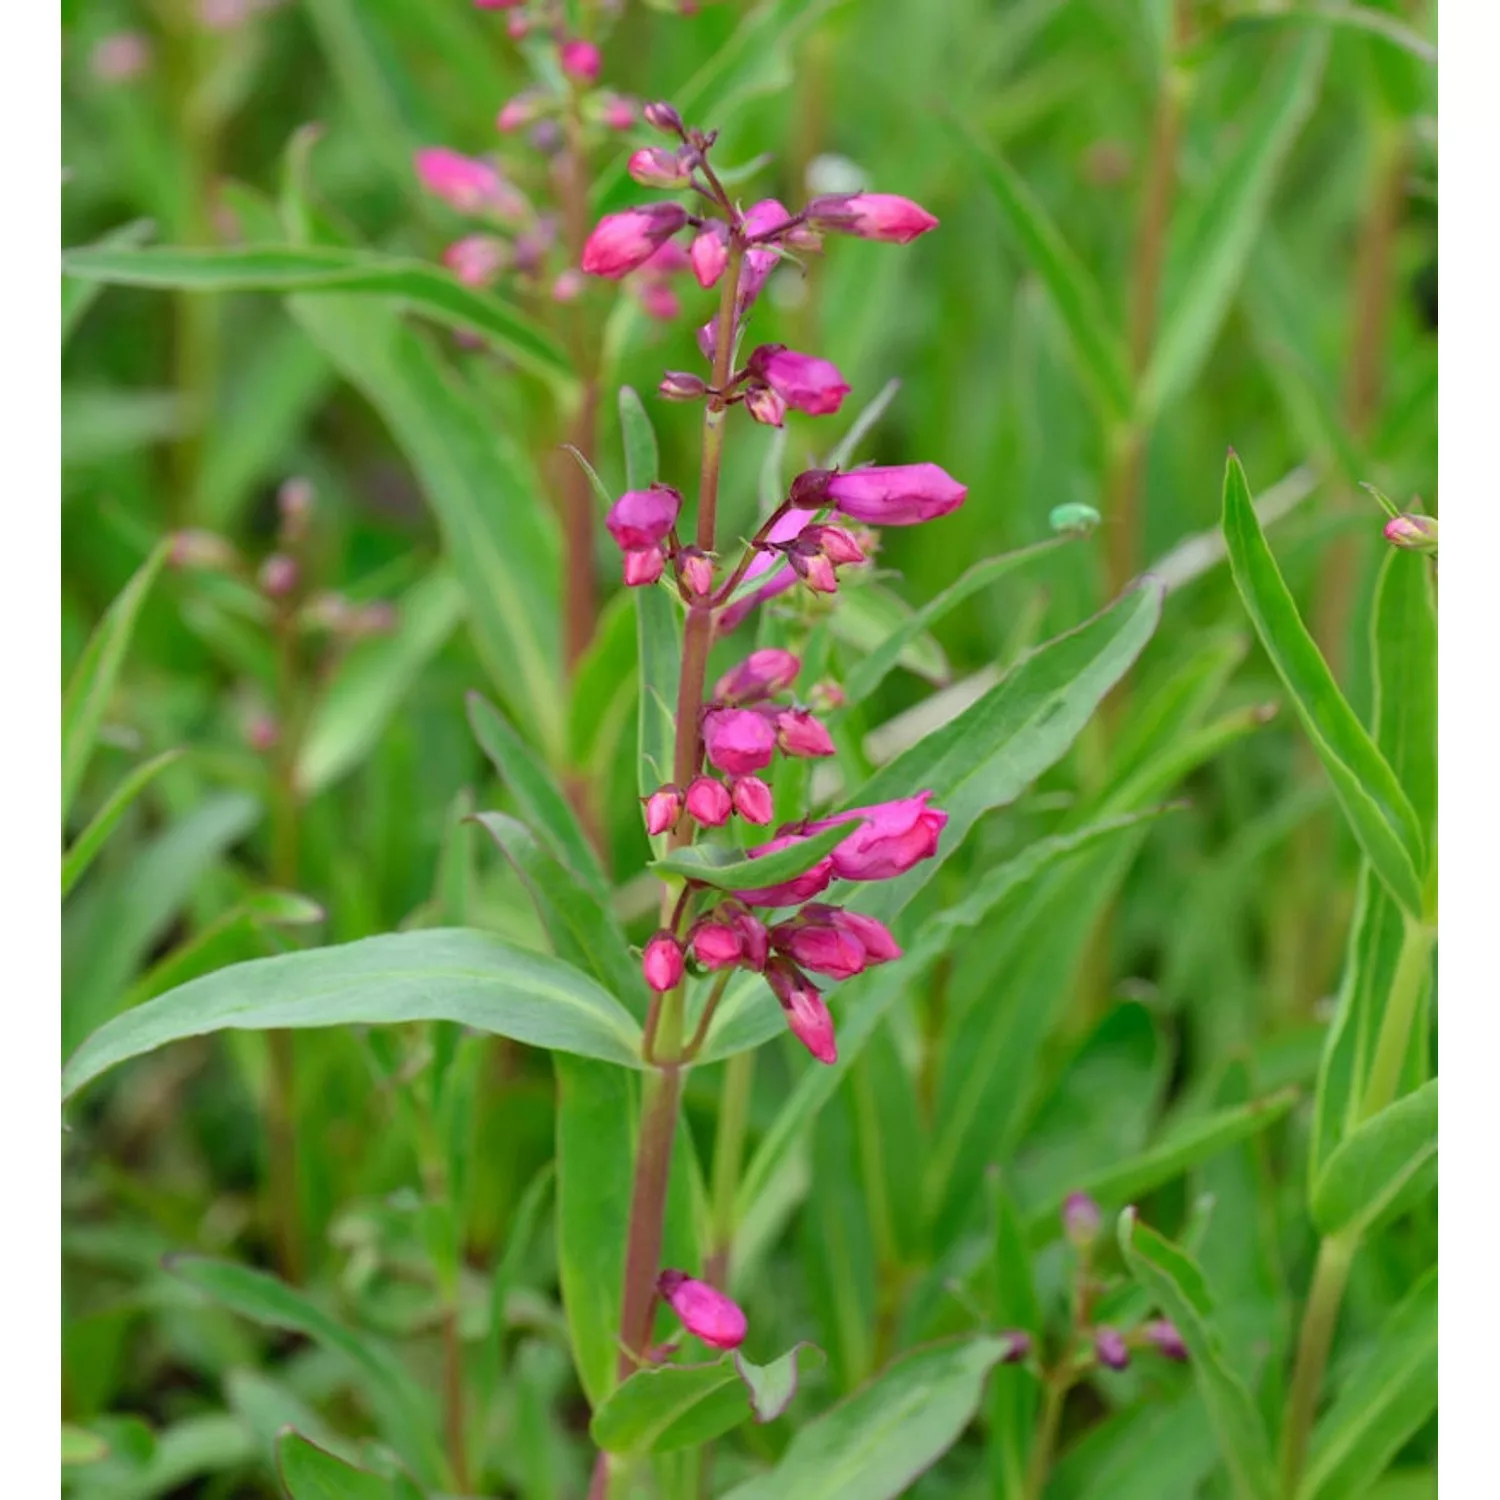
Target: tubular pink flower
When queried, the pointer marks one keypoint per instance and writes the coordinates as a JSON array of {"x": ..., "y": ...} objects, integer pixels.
[
  {"x": 738, "y": 741},
  {"x": 790, "y": 892},
  {"x": 696, "y": 570},
  {"x": 680, "y": 385},
  {"x": 765, "y": 406},
  {"x": 894, "y": 837},
  {"x": 871, "y": 216},
  {"x": 476, "y": 259},
  {"x": 569, "y": 286},
  {"x": 580, "y": 60},
  {"x": 806, "y": 1014},
  {"x": 716, "y": 943},
  {"x": 803, "y": 381},
  {"x": 823, "y": 948},
  {"x": 705, "y": 1313},
  {"x": 898, "y": 495},
  {"x": 643, "y": 565},
  {"x": 799, "y": 733},
  {"x": 467, "y": 184},
  {"x": 755, "y": 939},
  {"x": 709, "y": 253},
  {"x": 518, "y": 112},
  {"x": 623, "y": 242},
  {"x": 642, "y": 518},
  {"x": 661, "y": 116},
  {"x": 874, "y": 936},
  {"x": 785, "y": 530},
  {"x": 708, "y": 802},
  {"x": 752, "y": 799},
  {"x": 816, "y": 571},
  {"x": 656, "y": 167},
  {"x": 836, "y": 544},
  {"x": 663, "y": 808},
  {"x": 1412, "y": 532},
  {"x": 762, "y": 674},
  {"x": 661, "y": 962}
]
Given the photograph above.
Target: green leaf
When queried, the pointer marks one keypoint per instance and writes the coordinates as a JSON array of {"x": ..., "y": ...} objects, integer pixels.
[
  {"x": 310, "y": 1473},
  {"x": 1404, "y": 647},
  {"x": 93, "y": 681},
  {"x": 642, "y": 456},
  {"x": 1013, "y": 1303},
  {"x": 401, "y": 1406},
  {"x": 870, "y": 615},
  {"x": 1377, "y": 1163},
  {"x": 79, "y": 295},
  {"x": 1361, "y": 17},
  {"x": 1176, "y": 1286},
  {"x": 869, "y": 673},
  {"x": 1206, "y": 265},
  {"x": 539, "y": 796},
  {"x": 1379, "y": 813},
  {"x": 440, "y": 974},
  {"x": 498, "y": 536},
  {"x": 79, "y": 1445},
  {"x": 88, "y": 843},
  {"x": 329, "y": 268},
  {"x": 1385, "y": 1400},
  {"x": 730, "y": 870},
  {"x": 873, "y": 1445},
  {"x": 372, "y": 681},
  {"x": 1097, "y": 345}
]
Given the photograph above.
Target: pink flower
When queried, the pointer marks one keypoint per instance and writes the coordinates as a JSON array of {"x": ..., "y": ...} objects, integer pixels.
[
  {"x": 618, "y": 113},
  {"x": 1412, "y": 533},
  {"x": 661, "y": 116},
  {"x": 663, "y": 807},
  {"x": 871, "y": 216},
  {"x": 896, "y": 495},
  {"x": 1166, "y": 1338},
  {"x": 821, "y": 947},
  {"x": 706, "y": 1313},
  {"x": 520, "y": 111},
  {"x": 833, "y": 542},
  {"x": 756, "y": 939},
  {"x": 643, "y": 565},
  {"x": 716, "y": 943},
  {"x": 642, "y": 518},
  {"x": 765, "y": 406},
  {"x": 762, "y": 674},
  {"x": 476, "y": 259},
  {"x": 623, "y": 242},
  {"x": 874, "y": 936},
  {"x": 580, "y": 60},
  {"x": 785, "y": 530},
  {"x": 680, "y": 385},
  {"x": 568, "y": 287},
  {"x": 816, "y": 571},
  {"x": 708, "y": 802},
  {"x": 738, "y": 741},
  {"x": 894, "y": 837},
  {"x": 696, "y": 571},
  {"x": 656, "y": 167},
  {"x": 709, "y": 253},
  {"x": 467, "y": 184},
  {"x": 661, "y": 962},
  {"x": 791, "y": 892},
  {"x": 498, "y": 4},
  {"x": 798, "y": 733},
  {"x": 803, "y": 381},
  {"x": 659, "y": 301},
  {"x": 1111, "y": 1349},
  {"x": 806, "y": 1014},
  {"x": 752, "y": 799}
]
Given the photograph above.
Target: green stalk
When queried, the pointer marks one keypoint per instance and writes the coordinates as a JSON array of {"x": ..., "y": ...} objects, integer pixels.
[{"x": 729, "y": 1149}]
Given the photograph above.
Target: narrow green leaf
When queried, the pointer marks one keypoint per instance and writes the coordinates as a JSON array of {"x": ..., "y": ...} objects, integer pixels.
[
  {"x": 87, "y": 845},
  {"x": 1097, "y": 346},
  {"x": 1379, "y": 813},
  {"x": 371, "y": 683},
  {"x": 79, "y": 295},
  {"x": 329, "y": 268},
  {"x": 1361, "y": 17},
  {"x": 93, "y": 681},
  {"x": 876, "y": 1443},
  {"x": 1404, "y": 647},
  {"x": 870, "y": 615},
  {"x": 442, "y": 974},
  {"x": 1013, "y": 1303},
  {"x": 311, "y": 1473},
  {"x": 1177, "y": 1287},
  {"x": 1387, "y": 1397},
  {"x": 1376, "y": 1164},
  {"x": 731, "y": 870},
  {"x": 642, "y": 456},
  {"x": 1205, "y": 266}
]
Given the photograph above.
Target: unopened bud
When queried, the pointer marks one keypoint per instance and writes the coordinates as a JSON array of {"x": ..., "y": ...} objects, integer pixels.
[
  {"x": 580, "y": 60},
  {"x": 569, "y": 285},
  {"x": 661, "y": 962},
  {"x": 618, "y": 113},
  {"x": 766, "y": 406},
  {"x": 752, "y": 799},
  {"x": 1412, "y": 533},
  {"x": 1017, "y": 1346},
  {"x": 1110, "y": 1348},
  {"x": 643, "y": 566},
  {"x": 708, "y": 802},
  {"x": 663, "y": 807},
  {"x": 1081, "y": 1220},
  {"x": 656, "y": 167},
  {"x": 278, "y": 575},
  {"x": 696, "y": 570},
  {"x": 294, "y": 503},
  {"x": 679, "y": 385},
  {"x": 661, "y": 116},
  {"x": 704, "y": 1311},
  {"x": 518, "y": 112},
  {"x": 201, "y": 549},
  {"x": 1167, "y": 1340}
]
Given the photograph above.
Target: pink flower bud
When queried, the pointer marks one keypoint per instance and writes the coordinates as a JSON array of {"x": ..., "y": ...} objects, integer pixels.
[
  {"x": 716, "y": 943},
  {"x": 467, "y": 184},
  {"x": 624, "y": 241},
  {"x": 762, "y": 674},
  {"x": 1412, "y": 533},
  {"x": 656, "y": 167},
  {"x": 1018, "y": 1346},
  {"x": 568, "y": 287},
  {"x": 262, "y": 733},
  {"x": 738, "y": 741},
  {"x": 756, "y": 940},
  {"x": 696, "y": 570},
  {"x": 752, "y": 799},
  {"x": 517, "y": 28},
  {"x": 661, "y": 116},
  {"x": 195, "y": 549},
  {"x": 618, "y": 113},
  {"x": 836, "y": 544},
  {"x": 661, "y": 962},
  {"x": 642, "y": 518},
  {"x": 679, "y": 385},
  {"x": 874, "y": 936},
  {"x": 709, "y": 254},
  {"x": 705, "y": 1313},
  {"x": 643, "y": 566},
  {"x": 498, "y": 4},
  {"x": 476, "y": 259},
  {"x": 659, "y": 302},
  {"x": 1081, "y": 1220},
  {"x": 798, "y": 733},
  {"x": 120, "y": 57},
  {"x": 816, "y": 571},
  {"x": 1111, "y": 1349},
  {"x": 518, "y": 112},
  {"x": 765, "y": 406},
  {"x": 663, "y": 807},
  {"x": 580, "y": 60},
  {"x": 899, "y": 495},
  {"x": 806, "y": 1014},
  {"x": 1166, "y": 1338},
  {"x": 708, "y": 802},
  {"x": 790, "y": 892},
  {"x": 278, "y": 575},
  {"x": 893, "y": 837},
  {"x": 803, "y": 381},
  {"x": 821, "y": 947},
  {"x": 871, "y": 216}
]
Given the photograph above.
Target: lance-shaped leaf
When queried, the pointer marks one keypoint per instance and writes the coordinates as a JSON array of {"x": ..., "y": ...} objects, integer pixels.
[
  {"x": 732, "y": 870},
  {"x": 312, "y": 1473},
  {"x": 83, "y": 849},
  {"x": 1387, "y": 1161}
]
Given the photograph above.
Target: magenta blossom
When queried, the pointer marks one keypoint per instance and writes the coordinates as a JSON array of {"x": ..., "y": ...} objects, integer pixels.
[
  {"x": 708, "y": 802},
  {"x": 1166, "y": 1338},
  {"x": 752, "y": 799},
  {"x": 871, "y": 216},
  {"x": 806, "y": 1014},
  {"x": 821, "y": 947},
  {"x": 738, "y": 741},
  {"x": 642, "y": 518},
  {"x": 661, "y": 962},
  {"x": 467, "y": 184},
  {"x": 656, "y": 167},
  {"x": 716, "y": 943},
  {"x": 643, "y": 565},
  {"x": 623, "y": 242},
  {"x": 785, "y": 530},
  {"x": 874, "y": 936},
  {"x": 709, "y": 253},
  {"x": 1111, "y": 1349},
  {"x": 798, "y": 733},
  {"x": 618, "y": 113},
  {"x": 476, "y": 259},
  {"x": 580, "y": 60},
  {"x": 803, "y": 381},
  {"x": 894, "y": 837},
  {"x": 791, "y": 892},
  {"x": 705, "y": 1313},
  {"x": 897, "y": 495},
  {"x": 663, "y": 808},
  {"x": 518, "y": 112},
  {"x": 762, "y": 674}
]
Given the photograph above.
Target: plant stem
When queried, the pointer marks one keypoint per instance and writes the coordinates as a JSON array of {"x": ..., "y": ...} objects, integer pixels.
[
  {"x": 1054, "y": 1393},
  {"x": 1400, "y": 1011},
  {"x": 729, "y": 1147},
  {"x": 453, "y": 1398}
]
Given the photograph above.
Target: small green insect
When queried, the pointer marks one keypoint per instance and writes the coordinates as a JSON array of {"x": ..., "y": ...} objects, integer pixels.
[{"x": 1073, "y": 520}]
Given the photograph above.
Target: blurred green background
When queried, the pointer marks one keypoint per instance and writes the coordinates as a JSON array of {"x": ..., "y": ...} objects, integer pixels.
[{"x": 1306, "y": 194}]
